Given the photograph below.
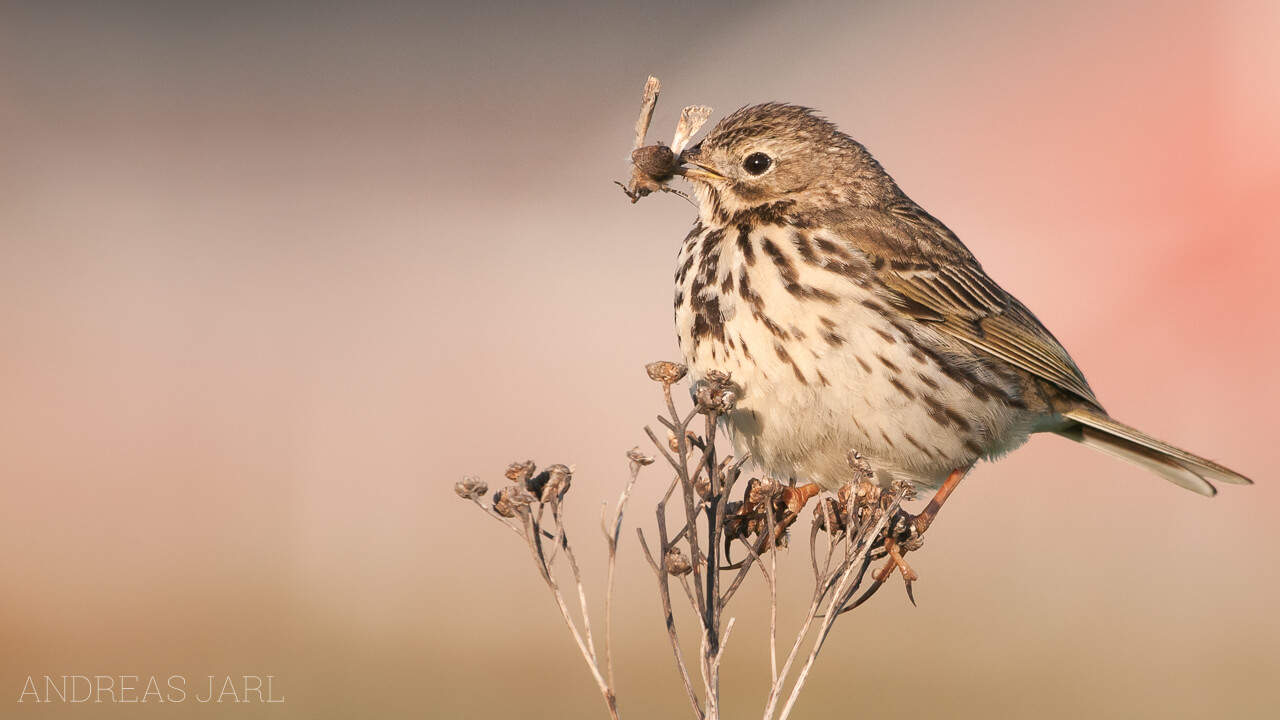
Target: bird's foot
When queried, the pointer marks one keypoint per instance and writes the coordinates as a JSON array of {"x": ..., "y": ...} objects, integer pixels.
[
  {"x": 767, "y": 503},
  {"x": 903, "y": 536},
  {"x": 896, "y": 562}
]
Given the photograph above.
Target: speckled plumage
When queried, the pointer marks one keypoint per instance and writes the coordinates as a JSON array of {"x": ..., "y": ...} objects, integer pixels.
[{"x": 851, "y": 319}]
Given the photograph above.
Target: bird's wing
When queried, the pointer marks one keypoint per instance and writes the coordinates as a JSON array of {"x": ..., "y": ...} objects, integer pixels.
[{"x": 932, "y": 277}]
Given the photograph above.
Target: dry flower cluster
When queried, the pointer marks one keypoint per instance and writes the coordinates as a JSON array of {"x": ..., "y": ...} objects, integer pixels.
[{"x": 692, "y": 540}]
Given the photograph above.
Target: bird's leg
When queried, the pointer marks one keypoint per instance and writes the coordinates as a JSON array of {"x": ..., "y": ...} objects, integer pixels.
[
  {"x": 907, "y": 536},
  {"x": 926, "y": 516}
]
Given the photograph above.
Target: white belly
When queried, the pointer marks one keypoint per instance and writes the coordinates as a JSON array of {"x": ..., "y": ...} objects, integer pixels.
[{"x": 820, "y": 371}]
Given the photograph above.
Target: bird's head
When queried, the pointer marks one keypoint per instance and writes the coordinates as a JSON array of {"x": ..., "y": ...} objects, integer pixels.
[{"x": 775, "y": 152}]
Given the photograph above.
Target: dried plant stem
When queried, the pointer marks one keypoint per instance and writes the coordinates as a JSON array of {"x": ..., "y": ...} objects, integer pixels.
[
  {"x": 686, "y": 484},
  {"x": 651, "y": 89},
  {"x": 585, "y": 646},
  {"x": 771, "y": 576},
  {"x": 664, "y": 594},
  {"x": 611, "y": 540},
  {"x": 489, "y": 511},
  {"x": 711, "y": 666},
  {"x": 753, "y": 556},
  {"x": 855, "y": 523},
  {"x": 849, "y": 577},
  {"x": 707, "y": 503}
]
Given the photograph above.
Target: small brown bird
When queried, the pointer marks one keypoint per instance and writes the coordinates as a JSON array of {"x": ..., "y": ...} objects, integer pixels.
[{"x": 849, "y": 319}]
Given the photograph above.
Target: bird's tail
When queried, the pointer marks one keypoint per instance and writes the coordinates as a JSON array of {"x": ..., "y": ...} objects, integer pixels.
[{"x": 1098, "y": 431}]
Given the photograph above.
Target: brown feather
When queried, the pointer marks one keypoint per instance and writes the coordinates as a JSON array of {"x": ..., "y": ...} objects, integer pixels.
[
  {"x": 942, "y": 284},
  {"x": 1119, "y": 433}
]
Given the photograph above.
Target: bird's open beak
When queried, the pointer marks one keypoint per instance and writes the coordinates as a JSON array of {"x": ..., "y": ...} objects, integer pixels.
[{"x": 691, "y": 168}]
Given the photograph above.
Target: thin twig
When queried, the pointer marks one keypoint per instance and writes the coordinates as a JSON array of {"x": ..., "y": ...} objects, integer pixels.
[
  {"x": 582, "y": 594},
  {"x": 587, "y": 654},
  {"x": 724, "y": 642},
  {"x": 776, "y": 689},
  {"x": 662, "y": 449},
  {"x": 705, "y": 485},
  {"x": 746, "y": 568},
  {"x": 686, "y": 482},
  {"x": 772, "y": 577},
  {"x": 611, "y": 539},
  {"x": 664, "y": 593},
  {"x": 491, "y": 513},
  {"x": 844, "y": 589},
  {"x": 715, "y": 527}
]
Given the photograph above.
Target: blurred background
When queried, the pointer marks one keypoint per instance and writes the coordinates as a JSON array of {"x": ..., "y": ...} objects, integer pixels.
[{"x": 274, "y": 276}]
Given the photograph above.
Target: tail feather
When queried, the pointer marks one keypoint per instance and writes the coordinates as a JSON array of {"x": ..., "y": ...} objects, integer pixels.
[{"x": 1176, "y": 465}]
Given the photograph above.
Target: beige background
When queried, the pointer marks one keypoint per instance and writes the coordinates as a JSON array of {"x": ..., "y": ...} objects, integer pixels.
[{"x": 274, "y": 277}]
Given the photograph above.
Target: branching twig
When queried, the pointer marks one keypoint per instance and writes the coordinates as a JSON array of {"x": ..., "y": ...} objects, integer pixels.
[
  {"x": 664, "y": 593},
  {"x": 857, "y": 524},
  {"x": 638, "y": 460}
]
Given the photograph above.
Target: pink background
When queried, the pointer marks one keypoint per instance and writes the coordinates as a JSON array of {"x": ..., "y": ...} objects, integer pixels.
[{"x": 273, "y": 278}]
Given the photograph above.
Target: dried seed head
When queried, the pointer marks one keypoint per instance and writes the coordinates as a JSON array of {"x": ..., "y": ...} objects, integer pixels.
[
  {"x": 667, "y": 373},
  {"x": 867, "y": 493},
  {"x": 706, "y": 402},
  {"x": 559, "y": 477},
  {"x": 691, "y": 120},
  {"x": 858, "y": 501},
  {"x": 691, "y": 441},
  {"x": 512, "y": 500},
  {"x": 715, "y": 395},
  {"x": 657, "y": 161},
  {"x": 728, "y": 399},
  {"x": 829, "y": 508},
  {"x": 846, "y": 490},
  {"x": 639, "y": 458},
  {"x": 536, "y": 483},
  {"x": 471, "y": 488},
  {"x": 906, "y": 487},
  {"x": 677, "y": 563},
  {"x": 862, "y": 470},
  {"x": 868, "y": 498},
  {"x": 702, "y": 486},
  {"x": 521, "y": 472},
  {"x": 762, "y": 491}
]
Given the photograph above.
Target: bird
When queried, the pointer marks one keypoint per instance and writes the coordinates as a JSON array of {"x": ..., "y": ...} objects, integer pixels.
[{"x": 847, "y": 318}]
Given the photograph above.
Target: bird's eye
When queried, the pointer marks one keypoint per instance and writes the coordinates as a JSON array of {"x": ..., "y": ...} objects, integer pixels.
[{"x": 757, "y": 163}]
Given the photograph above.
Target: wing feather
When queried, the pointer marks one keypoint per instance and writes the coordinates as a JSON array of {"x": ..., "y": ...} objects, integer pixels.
[{"x": 932, "y": 277}]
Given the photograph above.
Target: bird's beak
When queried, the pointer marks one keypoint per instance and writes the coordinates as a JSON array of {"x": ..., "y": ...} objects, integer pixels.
[{"x": 692, "y": 168}]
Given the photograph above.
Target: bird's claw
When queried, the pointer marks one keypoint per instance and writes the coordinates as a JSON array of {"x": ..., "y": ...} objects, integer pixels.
[{"x": 766, "y": 502}]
